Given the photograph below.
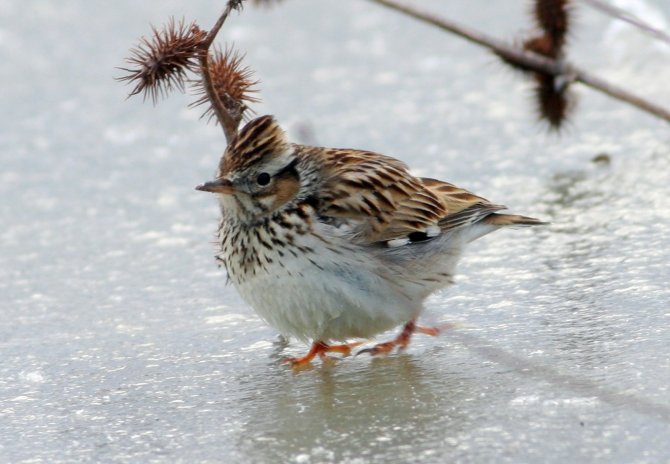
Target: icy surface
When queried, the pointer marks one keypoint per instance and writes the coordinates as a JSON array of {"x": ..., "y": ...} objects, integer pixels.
[{"x": 120, "y": 341}]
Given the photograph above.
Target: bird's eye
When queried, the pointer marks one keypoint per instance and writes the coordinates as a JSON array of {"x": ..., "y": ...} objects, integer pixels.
[{"x": 263, "y": 178}]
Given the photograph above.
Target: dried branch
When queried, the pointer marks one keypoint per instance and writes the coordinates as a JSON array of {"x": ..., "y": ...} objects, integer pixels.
[
  {"x": 529, "y": 60},
  {"x": 160, "y": 64},
  {"x": 229, "y": 120},
  {"x": 630, "y": 18}
]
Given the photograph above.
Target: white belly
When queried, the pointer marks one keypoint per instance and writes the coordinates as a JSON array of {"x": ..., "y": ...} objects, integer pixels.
[{"x": 330, "y": 299}]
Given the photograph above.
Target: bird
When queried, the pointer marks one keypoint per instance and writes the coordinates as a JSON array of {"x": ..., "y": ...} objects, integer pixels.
[{"x": 332, "y": 245}]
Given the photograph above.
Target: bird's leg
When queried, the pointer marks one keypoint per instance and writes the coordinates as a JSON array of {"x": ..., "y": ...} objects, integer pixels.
[
  {"x": 317, "y": 348},
  {"x": 402, "y": 340},
  {"x": 344, "y": 349},
  {"x": 320, "y": 348}
]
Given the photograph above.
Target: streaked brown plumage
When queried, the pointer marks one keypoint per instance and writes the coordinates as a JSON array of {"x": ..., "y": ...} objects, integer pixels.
[{"x": 331, "y": 244}]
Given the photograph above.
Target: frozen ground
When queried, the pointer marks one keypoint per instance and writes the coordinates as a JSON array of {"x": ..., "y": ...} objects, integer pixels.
[{"x": 120, "y": 342}]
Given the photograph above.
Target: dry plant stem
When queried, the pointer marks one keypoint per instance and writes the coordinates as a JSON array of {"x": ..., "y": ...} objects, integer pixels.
[
  {"x": 529, "y": 59},
  {"x": 624, "y": 15},
  {"x": 229, "y": 122}
]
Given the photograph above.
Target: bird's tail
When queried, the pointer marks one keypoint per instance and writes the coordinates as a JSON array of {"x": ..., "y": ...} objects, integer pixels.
[{"x": 512, "y": 220}]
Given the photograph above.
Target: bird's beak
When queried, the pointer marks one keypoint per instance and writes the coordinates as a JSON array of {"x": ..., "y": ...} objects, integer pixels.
[{"x": 217, "y": 186}]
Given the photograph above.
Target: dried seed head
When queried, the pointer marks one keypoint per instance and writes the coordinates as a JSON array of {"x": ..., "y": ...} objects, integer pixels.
[
  {"x": 159, "y": 63},
  {"x": 544, "y": 45},
  {"x": 553, "y": 97},
  {"x": 554, "y": 100},
  {"x": 553, "y": 19},
  {"x": 552, "y": 94},
  {"x": 235, "y": 4},
  {"x": 231, "y": 81}
]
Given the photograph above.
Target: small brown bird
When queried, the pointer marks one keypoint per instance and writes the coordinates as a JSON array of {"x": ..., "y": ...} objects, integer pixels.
[{"x": 336, "y": 244}]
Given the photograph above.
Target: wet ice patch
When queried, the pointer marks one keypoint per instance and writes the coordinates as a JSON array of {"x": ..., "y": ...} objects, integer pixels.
[
  {"x": 225, "y": 319},
  {"x": 32, "y": 376},
  {"x": 260, "y": 345},
  {"x": 161, "y": 239},
  {"x": 552, "y": 404}
]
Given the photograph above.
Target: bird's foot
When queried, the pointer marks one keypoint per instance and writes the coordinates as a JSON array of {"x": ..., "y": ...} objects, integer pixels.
[
  {"x": 402, "y": 340},
  {"x": 382, "y": 348},
  {"x": 321, "y": 349}
]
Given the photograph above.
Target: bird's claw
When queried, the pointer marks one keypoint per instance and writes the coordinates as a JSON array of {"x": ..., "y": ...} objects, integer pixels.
[
  {"x": 381, "y": 348},
  {"x": 402, "y": 340},
  {"x": 321, "y": 349}
]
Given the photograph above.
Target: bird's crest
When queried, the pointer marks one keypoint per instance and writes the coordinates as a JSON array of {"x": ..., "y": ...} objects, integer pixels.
[{"x": 261, "y": 139}]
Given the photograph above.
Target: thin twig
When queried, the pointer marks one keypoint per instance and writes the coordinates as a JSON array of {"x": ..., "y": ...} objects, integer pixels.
[
  {"x": 630, "y": 18},
  {"x": 229, "y": 122},
  {"x": 528, "y": 59}
]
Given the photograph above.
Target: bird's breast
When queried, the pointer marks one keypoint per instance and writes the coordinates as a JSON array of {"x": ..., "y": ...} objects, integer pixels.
[{"x": 268, "y": 246}]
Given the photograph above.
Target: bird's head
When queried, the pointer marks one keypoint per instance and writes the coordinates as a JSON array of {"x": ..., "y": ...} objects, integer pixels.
[{"x": 258, "y": 173}]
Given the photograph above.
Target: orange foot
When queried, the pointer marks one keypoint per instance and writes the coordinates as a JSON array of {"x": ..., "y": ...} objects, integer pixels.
[
  {"x": 320, "y": 349},
  {"x": 402, "y": 340}
]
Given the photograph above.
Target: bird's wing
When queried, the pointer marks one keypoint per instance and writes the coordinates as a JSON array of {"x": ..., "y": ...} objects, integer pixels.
[
  {"x": 463, "y": 208},
  {"x": 388, "y": 203}
]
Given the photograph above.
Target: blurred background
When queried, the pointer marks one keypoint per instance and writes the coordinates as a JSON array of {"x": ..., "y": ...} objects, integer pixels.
[{"x": 120, "y": 341}]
